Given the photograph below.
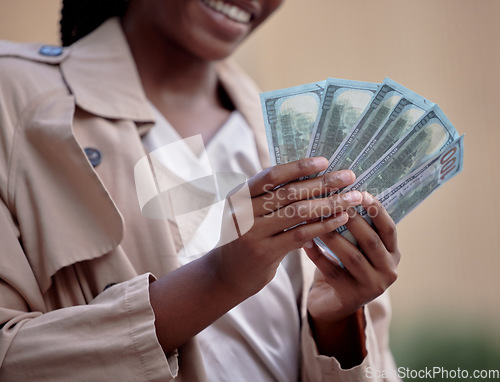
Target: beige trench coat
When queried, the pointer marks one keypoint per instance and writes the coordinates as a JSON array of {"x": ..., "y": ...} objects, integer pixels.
[{"x": 67, "y": 229}]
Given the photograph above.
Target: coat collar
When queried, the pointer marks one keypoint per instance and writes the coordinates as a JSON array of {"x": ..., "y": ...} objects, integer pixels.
[{"x": 103, "y": 78}]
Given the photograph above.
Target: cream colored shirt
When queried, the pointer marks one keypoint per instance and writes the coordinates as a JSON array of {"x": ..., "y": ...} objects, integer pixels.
[{"x": 260, "y": 336}]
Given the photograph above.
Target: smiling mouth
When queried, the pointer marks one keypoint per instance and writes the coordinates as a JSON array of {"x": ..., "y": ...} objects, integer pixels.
[{"x": 231, "y": 11}]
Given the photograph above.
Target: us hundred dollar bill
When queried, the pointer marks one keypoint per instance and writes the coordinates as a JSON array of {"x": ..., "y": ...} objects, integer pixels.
[
  {"x": 289, "y": 116},
  {"x": 343, "y": 103},
  {"x": 410, "y": 191},
  {"x": 431, "y": 134},
  {"x": 400, "y": 199},
  {"x": 407, "y": 112},
  {"x": 383, "y": 103}
]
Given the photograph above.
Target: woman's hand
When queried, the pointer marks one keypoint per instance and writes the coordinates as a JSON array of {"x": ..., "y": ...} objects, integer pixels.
[
  {"x": 190, "y": 298},
  {"x": 281, "y": 204},
  {"x": 338, "y": 294}
]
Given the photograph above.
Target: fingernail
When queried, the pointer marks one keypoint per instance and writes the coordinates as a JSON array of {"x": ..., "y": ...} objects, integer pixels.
[
  {"x": 309, "y": 244},
  {"x": 353, "y": 196},
  {"x": 320, "y": 162},
  {"x": 367, "y": 198},
  {"x": 346, "y": 176}
]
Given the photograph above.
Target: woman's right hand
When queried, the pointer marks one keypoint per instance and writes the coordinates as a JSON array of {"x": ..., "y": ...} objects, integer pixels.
[
  {"x": 281, "y": 203},
  {"x": 190, "y": 298}
]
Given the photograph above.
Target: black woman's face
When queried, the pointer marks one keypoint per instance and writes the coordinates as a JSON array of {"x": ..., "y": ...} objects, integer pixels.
[{"x": 209, "y": 29}]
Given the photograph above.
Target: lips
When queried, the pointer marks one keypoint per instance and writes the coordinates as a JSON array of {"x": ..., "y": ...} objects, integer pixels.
[{"x": 231, "y": 11}]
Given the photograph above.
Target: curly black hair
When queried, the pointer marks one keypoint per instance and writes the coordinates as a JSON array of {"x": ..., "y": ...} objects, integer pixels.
[{"x": 80, "y": 17}]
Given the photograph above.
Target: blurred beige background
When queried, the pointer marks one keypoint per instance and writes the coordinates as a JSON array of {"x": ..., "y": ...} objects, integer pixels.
[{"x": 445, "y": 50}]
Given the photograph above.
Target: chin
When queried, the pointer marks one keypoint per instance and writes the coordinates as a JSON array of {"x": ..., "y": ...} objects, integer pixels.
[
  {"x": 216, "y": 55},
  {"x": 215, "y": 51}
]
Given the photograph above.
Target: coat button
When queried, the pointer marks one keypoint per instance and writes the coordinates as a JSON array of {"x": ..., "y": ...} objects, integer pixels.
[
  {"x": 94, "y": 156},
  {"x": 50, "y": 50}
]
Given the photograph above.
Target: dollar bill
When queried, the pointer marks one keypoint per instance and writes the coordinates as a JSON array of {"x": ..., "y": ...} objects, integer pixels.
[
  {"x": 343, "y": 103},
  {"x": 410, "y": 191},
  {"x": 383, "y": 103},
  {"x": 289, "y": 117},
  {"x": 407, "y": 112},
  {"x": 401, "y": 146},
  {"x": 400, "y": 199},
  {"x": 431, "y": 134}
]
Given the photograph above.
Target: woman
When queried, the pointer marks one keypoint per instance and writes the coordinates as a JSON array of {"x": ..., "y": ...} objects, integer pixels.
[{"x": 89, "y": 285}]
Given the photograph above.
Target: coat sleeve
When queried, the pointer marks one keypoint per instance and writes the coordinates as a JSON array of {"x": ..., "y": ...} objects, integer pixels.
[
  {"x": 111, "y": 338},
  {"x": 378, "y": 365}
]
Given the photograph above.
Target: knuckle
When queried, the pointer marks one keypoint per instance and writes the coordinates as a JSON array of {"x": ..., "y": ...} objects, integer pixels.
[
  {"x": 385, "y": 281},
  {"x": 329, "y": 226},
  {"x": 303, "y": 164},
  {"x": 376, "y": 288},
  {"x": 355, "y": 258},
  {"x": 297, "y": 210},
  {"x": 271, "y": 176},
  {"x": 391, "y": 229},
  {"x": 380, "y": 289},
  {"x": 300, "y": 235},
  {"x": 259, "y": 251},
  {"x": 392, "y": 276},
  {"x": 327, "y": 182},
  {"x": 302, "y": 210},
  {"x": 373, "y": 241},
  {"x": 335, "y": 273}
]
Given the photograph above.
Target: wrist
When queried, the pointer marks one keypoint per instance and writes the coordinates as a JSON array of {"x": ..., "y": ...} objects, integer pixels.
[
  {"x": 343, "y": 339},
  {"x": 225, "y": 276},
  {"x": 239, "y": 278},
  {"x": 187, "y": 300}
]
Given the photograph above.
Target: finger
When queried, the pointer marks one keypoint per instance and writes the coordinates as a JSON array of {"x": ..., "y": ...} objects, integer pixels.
[
  {"x": 275, "y": 176},
  {"x": 369, "y": 241},
  {"x": 298, "y": 236},
  {"x": 349, "y": 255},
  {"x": 302, "y": 190},
  {"x": 330, "y": 268},
  {"x": 385, "y": 226},
  {"x": 309, "y": 210}
]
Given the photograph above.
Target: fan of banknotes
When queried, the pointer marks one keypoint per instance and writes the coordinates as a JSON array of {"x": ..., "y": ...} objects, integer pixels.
[{"x": 400, "y": 145}]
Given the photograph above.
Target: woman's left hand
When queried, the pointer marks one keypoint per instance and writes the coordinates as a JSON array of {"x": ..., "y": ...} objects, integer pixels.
[{"x": 338, "y": 294}]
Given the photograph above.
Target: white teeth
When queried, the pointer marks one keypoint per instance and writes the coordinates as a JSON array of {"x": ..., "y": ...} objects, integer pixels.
[{"x": 232, "y": 11}]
